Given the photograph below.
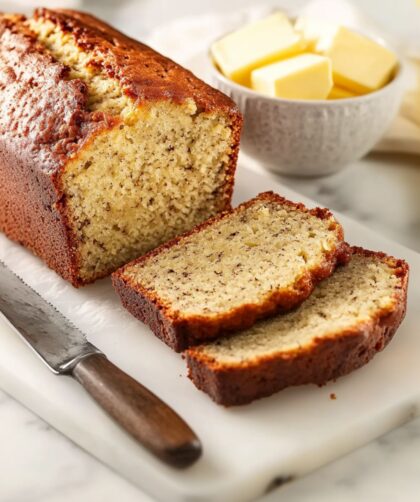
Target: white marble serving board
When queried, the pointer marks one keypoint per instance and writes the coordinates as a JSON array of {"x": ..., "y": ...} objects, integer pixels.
[{"x": 247, "y": 450}]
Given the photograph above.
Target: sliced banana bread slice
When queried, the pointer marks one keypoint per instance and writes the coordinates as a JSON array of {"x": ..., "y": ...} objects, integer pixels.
[
  {"x": 348, "y": 318},
  {"x": 263, "y": 257}
]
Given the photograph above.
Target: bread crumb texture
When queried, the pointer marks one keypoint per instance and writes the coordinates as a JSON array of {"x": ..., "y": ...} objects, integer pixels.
[
  {"x": 240, "y": 259},
  {"x": 353, "y": 295},
  {"x": 159, "y": 170}
]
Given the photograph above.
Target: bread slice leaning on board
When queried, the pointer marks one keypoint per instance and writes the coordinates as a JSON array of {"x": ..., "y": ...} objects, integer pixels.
[
  {"x": 349, "y": 317},
  {"x": 264, "y": 257}
]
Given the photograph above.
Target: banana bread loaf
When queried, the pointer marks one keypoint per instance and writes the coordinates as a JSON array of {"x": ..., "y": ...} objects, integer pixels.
[
  {"x": 262, "y": 257},
  {"x": 107, "y": 148},
  {"x": 348, "y": 318}
]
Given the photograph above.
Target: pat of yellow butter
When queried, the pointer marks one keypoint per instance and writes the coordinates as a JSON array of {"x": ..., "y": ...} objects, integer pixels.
[
  {"x": 317, "y": 33},
  {"x": 340, "y": 93},
  {"x": 359, "y": 64},
  {"x": 307, "y": 76},
  {"x": 256, "y": 44}
]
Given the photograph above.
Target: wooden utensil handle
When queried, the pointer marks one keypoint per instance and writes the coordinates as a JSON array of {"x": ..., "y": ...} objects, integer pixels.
[{"x": 142, "y": 414}]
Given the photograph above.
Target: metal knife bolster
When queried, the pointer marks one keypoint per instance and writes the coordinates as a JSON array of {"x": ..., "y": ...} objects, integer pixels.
[
  {"x": 66, "y": 367},
  {"x": 53, "y": 337}
]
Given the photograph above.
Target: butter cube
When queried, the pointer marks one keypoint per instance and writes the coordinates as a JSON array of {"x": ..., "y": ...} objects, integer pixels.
[
  {"x": 257, "y": 44},
  {"x": 316, "y": 33},
  {"x": 307, "y": 76},
  {"x": 340, "y": 93},
  {"x": 359, "y": 64}
]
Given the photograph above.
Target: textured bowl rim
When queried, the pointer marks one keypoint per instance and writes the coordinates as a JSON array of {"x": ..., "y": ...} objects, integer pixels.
[{"x": 396, "y": 80}]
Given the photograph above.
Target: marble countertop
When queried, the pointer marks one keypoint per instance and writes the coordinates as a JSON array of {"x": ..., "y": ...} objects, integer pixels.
[{"x": 38, "y": 464}]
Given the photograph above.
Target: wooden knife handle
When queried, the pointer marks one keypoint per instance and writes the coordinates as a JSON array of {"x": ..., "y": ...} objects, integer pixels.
[{"x": 142, "y": 414}]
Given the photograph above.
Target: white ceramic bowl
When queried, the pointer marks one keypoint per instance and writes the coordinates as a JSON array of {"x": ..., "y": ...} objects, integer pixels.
[{"x": 311, "y": 138}]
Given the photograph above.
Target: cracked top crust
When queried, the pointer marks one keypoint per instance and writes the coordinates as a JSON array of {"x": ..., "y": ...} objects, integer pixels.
[{"x": 33, "y": 82}]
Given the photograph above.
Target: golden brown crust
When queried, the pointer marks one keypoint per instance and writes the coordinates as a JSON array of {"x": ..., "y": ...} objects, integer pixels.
[
  {"x": 42, "y": 120},
  {"x": 181, "y": 332},
  {"x": 325, "y": 359},
  {"x": 45, "y": 121},
  {"x": 144, "y": 74}
]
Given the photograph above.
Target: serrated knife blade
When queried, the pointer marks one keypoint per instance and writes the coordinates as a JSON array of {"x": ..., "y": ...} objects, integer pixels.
[
  {"x": 65, "y": 350},
  {"x": 51, "y": 335}
]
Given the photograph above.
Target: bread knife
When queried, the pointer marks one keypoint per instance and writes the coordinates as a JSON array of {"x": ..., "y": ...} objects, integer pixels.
[{"x": 66, "y": 351}]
